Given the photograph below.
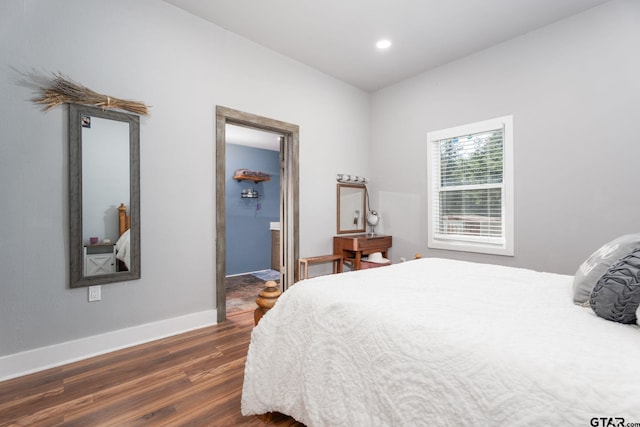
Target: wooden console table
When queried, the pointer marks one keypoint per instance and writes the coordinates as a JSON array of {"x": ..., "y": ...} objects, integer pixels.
[{"x": 353, "y": 247}]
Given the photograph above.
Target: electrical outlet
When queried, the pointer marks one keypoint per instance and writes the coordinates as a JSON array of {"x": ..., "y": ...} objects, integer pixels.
[
  {"x": 94, "y": 293},
  {"x": 402, "y": 259}
]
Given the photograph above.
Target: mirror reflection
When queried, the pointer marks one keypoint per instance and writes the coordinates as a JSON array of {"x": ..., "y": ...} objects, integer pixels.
[
  {"x": 104, "y": 196},
  {"x": 105, "y": 186},
  {"x": 351, "y": 208}
]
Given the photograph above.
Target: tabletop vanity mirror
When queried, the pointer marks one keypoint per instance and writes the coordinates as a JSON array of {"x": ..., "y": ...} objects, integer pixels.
[
  {"x": 104, "y": 196},
  {"x": 351, "y": 208}
]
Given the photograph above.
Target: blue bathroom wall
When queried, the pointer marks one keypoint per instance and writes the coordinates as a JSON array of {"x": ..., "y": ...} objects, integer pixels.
[{"x": 248, "y": 233}]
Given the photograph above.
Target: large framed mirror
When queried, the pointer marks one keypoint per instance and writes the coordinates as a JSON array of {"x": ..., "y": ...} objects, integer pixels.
[
  {"x": 104, "y": 196},
  {"x": 351, "y": 208}
]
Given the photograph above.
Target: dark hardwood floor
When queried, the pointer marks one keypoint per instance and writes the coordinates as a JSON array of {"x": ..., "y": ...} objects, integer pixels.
[
  {"x": 191, "y": 379},
  {"x": 241, "y": 292}
]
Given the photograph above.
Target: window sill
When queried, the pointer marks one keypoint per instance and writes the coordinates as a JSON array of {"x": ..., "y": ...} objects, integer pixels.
[{"x": 465, "y": 246}]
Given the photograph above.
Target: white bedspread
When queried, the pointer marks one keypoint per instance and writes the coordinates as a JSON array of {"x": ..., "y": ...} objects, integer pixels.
[
  {"x": 123, "y": 245},
  {"x": 441, "y": 342}
]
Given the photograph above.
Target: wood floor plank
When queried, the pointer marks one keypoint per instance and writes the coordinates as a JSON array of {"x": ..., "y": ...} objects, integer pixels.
[
  {"x": 26, "y": 387},
  {"x": 192, "y": 379}
]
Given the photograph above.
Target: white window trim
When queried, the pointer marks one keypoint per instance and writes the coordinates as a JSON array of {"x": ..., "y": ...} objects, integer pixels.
[{"x": 504, "y": 247}]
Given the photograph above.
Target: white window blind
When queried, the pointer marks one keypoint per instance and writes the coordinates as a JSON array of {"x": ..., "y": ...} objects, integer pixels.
[{"x": 468, "y": 188}]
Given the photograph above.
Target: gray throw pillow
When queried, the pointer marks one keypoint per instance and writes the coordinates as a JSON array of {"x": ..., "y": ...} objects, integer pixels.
[
  {"x": 598, "y": 263},
  {"x": 616, "y": 295}
]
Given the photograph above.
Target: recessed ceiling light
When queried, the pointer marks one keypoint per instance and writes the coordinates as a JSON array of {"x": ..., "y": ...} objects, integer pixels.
[{"x": 383, "y": 44}]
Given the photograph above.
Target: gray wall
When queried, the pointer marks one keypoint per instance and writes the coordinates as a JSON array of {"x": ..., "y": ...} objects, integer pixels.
[
  {"x": 182, "y": 67},
  {"x": 573, "y": 89}
]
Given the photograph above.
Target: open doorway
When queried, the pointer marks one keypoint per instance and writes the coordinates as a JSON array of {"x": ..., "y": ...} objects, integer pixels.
[
  {"x": 252, "y": 205},
  {"x": 287, "y": 200}
]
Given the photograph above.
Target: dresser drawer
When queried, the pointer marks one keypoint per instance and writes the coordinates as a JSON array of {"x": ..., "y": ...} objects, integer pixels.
[{"x": 377, "y": 243}]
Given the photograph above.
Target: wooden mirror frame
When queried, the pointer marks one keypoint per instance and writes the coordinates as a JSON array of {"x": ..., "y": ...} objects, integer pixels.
[
  {"x": 76, "y": 255},
  {"x": 363, "y": 212}
]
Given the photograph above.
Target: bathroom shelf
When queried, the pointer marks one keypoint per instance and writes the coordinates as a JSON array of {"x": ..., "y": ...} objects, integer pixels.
[
  {"x": 250, "y": 193},
  {"x": 251, "y": 178}
]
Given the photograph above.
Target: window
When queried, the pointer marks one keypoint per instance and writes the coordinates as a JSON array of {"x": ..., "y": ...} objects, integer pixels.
[{"x": 470, "y": 187}]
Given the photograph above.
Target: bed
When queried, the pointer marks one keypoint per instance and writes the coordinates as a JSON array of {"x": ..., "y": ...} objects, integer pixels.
[
  {"x": 123, "y": 244},
  {"x": 441, "y": 342}
]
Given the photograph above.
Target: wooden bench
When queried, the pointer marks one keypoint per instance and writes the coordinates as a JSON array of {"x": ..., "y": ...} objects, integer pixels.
[{"x": 337, "y": 261}]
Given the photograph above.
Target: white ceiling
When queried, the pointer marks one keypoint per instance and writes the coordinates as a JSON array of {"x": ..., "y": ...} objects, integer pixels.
[
  {"x": 251, "y": 137},
  {"x": 337, "y": 37}
]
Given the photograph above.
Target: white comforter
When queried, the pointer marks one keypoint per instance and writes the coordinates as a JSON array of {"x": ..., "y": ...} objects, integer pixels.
[
  {"x": 123, "y": 245},
  {"x": 441, "y": 342}
]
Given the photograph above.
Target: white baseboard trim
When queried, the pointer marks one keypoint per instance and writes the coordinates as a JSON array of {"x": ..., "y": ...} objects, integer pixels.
[{"x": 27, "y": 362}]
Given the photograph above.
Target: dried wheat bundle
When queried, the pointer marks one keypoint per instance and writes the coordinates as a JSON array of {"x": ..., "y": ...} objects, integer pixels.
[{"x": 60, "y": 90}]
